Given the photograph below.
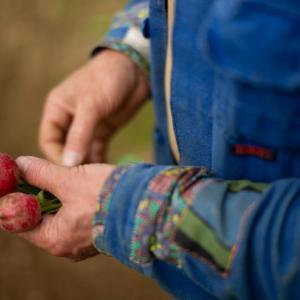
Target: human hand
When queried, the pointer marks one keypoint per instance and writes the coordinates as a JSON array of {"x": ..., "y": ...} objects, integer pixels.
[
  {"x": 69, "y": 232},
  {"x": 83, "y": 112}
]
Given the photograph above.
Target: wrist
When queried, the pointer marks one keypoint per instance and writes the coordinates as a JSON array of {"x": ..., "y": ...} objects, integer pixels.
[
  {"x": 128, "y": 59},
  {"x": 103, "y": 208}
]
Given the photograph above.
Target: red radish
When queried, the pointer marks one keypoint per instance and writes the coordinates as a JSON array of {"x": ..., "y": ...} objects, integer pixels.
[
  {"x": 22, "y": 205},
  {"x": 19, "y": 212},
  {"x": 9, "y": 175}
]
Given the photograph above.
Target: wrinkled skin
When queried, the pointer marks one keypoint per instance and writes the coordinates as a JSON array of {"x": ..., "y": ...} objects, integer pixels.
[
  {"x": 9, "y": 175},
  {"x": 68, "y": 233},
  {"x": 19, "y": 212},
  {"x": 80, "y": 116},
  {"x": 83, "y": 112}
]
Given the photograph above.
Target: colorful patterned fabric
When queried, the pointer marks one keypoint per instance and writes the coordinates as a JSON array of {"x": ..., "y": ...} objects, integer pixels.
[
  {"x": 198, "y": 237},
  {"x": 103, "y": 207},
  {"x": 133, "y": 15},
  {"x": 203, "y": 230},
  {"x": 166, "y": 223},
  {"x": 126, "y": 34},
  {"x": 239, "y": 185},
  {"x": 159, "y": 211}
]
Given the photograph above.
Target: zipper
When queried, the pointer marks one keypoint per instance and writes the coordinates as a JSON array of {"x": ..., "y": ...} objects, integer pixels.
[{"x": 170, "y": 9}]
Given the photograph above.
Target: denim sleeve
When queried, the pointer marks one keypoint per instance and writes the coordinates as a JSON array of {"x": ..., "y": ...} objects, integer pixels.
[
  {"x": 232, "y": 239},
  {"x": 128, "y": 33}
]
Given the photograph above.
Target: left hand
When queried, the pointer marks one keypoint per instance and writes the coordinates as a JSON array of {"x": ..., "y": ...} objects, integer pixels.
[
  {"x": 69, "y": 232},
  {"x": 83, "y": 112}
]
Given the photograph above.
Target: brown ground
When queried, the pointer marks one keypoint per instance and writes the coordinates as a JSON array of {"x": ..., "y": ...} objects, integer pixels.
[{"x": 41, "y": 42}]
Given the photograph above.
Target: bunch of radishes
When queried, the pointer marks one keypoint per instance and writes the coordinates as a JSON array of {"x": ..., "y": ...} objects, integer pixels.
[{"x": 21, "y": 205}]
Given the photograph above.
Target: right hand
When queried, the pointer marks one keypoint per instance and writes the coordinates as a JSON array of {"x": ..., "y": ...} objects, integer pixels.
[
  {"x": 83, "y": 112},
  {"x": 68, "y": 233}
]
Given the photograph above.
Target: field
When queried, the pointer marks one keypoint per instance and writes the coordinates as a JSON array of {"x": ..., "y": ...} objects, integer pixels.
[{"x": 41, "y": 43}]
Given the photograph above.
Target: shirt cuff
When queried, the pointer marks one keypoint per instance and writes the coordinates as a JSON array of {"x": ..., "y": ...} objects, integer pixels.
[
  {"x": 133, "y": 54},
  {"x": 159, "y": 211},
  {"x": 103, "y": 208},
  {"x": 129, "y": 34}
]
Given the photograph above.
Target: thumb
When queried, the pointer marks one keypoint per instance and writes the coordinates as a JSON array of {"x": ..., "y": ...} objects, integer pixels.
[
  {"x": 41, "y": 173},
  {"x": 39, "y": 236},
  {"x": 80, "y": 136}
]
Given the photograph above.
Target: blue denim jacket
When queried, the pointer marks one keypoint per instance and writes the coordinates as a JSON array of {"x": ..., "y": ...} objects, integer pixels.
[{"x": 225, "y": 80}]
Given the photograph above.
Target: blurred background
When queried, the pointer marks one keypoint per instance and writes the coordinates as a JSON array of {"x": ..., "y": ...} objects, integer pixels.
[{"x": 41, "y": 43}]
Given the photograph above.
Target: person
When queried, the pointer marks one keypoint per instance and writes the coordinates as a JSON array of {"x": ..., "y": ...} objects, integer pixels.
[{"x": 217, "y": 216}]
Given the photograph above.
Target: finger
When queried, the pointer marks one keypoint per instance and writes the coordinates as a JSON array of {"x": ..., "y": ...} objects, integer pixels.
[
  {"x": 42, "y": 174},
  {"x": 80, "y": 135},
  {"x": 41, "y": 235},
  {"x": 54, "y": 125},
  {"x": 99, "y": 145},
  {"x": 97, "y": 153}
]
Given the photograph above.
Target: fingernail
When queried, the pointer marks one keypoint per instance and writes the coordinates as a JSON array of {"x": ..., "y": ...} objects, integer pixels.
[
  {"x": 71, "y": 159},
  {"x": 23, "y": 162}
]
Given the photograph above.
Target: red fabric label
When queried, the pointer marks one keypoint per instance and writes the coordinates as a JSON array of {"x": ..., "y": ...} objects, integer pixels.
[{"x": 245, "y": 150}]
